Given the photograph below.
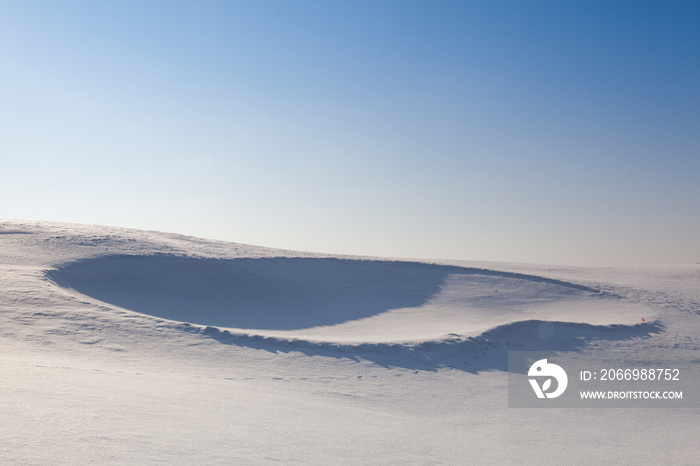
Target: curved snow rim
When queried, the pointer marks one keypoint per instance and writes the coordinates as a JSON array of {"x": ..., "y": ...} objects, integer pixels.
[{"x": 344, "y": 301}]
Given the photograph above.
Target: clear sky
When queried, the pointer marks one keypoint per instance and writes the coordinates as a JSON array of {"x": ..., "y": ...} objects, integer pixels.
[{"x": 535, "y": 131}]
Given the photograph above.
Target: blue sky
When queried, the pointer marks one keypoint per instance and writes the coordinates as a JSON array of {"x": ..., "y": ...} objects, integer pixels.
[{"x": 555, "y": 132}]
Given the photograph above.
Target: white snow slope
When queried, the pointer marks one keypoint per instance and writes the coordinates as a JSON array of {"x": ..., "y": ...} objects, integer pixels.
[{"x": 131, "y": 347}]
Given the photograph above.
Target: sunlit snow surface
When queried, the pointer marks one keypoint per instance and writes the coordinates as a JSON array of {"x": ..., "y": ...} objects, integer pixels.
[{"x": 132, "y": 347}]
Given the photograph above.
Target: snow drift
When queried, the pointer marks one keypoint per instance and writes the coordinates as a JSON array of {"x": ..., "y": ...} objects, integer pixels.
[
  {"x": 335, "y": 299},
  {"x": 121, "y": 345}
]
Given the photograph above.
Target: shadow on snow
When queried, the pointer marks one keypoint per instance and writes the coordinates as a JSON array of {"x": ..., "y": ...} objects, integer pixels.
[
  {"x": 488, "y": 351},
  {"x": 264, "y": 293}
]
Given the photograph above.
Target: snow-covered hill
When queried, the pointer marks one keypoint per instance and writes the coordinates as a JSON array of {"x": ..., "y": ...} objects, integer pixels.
[{"x": 124, "y": 346}]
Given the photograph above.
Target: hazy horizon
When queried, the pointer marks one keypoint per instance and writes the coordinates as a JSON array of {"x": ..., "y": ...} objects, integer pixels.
[{"x": 505, "y": 131}]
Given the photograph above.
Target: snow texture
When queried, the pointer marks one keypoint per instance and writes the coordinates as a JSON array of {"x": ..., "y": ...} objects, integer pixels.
[{"x": 132, "y": 347}]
